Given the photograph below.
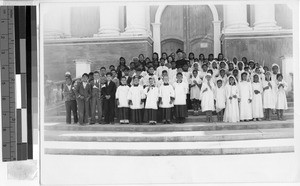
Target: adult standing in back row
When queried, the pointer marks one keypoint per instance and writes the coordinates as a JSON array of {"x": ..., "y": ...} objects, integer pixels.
[{"x": 181, "y": 61}]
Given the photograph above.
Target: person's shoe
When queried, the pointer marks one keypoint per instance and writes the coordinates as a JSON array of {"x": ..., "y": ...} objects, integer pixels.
[
  {"x": 68, "y": 123},
  {"x": 92, "y": 123}
]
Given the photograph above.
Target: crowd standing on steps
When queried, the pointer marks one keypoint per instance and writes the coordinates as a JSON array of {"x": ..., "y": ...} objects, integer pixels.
[{"x": 161, "y": 90}]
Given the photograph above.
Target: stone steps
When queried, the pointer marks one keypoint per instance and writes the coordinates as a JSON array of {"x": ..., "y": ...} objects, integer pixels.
[
  {"x": 201, "y": 118},
  {"x": 170, "y": 148},
  {"x": 186, "y": 136},
  {"x": 195, "y": 126}
]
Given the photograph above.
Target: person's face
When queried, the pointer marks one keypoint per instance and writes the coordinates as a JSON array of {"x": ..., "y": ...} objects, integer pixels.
[
  {"x": 173, "y": 65},
  {"x": 195, "y": 73},
  {"x": 151, "y": 81},
  {"x": 164, "y": 56},
  {"x": 219, "y": 84},
  {"x": 251, "y": 65},
  {"x": 84, "y": 78},
  {"x": 141, "y": 57},
  {"x": 96, "y": 76},
  {"x": 179, "y": 77},
  {"x": 275, "y": 69},
  {"x": 164, "y": 74},
  {"x": 235, "y": 72},
  {"x": 162, "y": 62},
  {"x": 230, "y": 66},
  {"x": 244, "y": 60},
  {"x": 244, "y": 77},
  {"x": 170, "y": 59},
  {"x": 111, "y": 68},
  {"x": 136, "y": 81},
  {"x": 165, "y": 79},
  {"x": 147, "y": 60},
  {"x": 151, "y": 70},
  {"x": 214, "y": 65},
  {"x": 108, "y": 77},
  {"x": 240, "y": 66},
  {"x": 180, "y": 55},
  {"x": 220, "y": 56},
  {"x": 222, "y": 73},
  {"x": 201, "y": 57},
  {"x": 122, "y": 61},
  {"x": 279, "y": 78},
  {"x": 255, "y": 79},
  {"x": 68, "y": 81},
  {"x": 204, "y": 67},
  {"x": 185, "y": 67},
  {"x": 103, "y": 71},
  {"x": 196, "y": 66},
  {"x": 132, "y": 65},
  {"x": 208, "y": 78},
  {"x": 234, "y": 59},
  {"x": 114, "y": 73},
  {"x": 231, "y": 80},
  {"x": 173, "y": 55},
  {"x": 266, "y": 68},
  {"x": 210, "y": 57},
  {"x": 123, "y": 81},
  {"x": 222, "y": 65},
  {"x": 179, "y": 69},
  {"x": 155, "y": 56},
  {"x": 191, "y": 56},
  {"x": 126, "y": 72},
  {"x": 91, "y": 76}
]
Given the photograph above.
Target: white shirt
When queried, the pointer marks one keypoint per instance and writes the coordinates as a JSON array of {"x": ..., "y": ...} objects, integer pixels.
[
  {"x": 180, "y": 91},
  {"x": 135, "y": 94},
  {"x": 122, "y": 96},
  {"x": 151, "y": 94},
  {"x": 165, "y": 93}
]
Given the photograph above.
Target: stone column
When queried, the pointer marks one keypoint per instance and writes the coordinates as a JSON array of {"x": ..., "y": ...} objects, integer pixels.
[
  {"x": 57, "y": 22},
  {"x": 109, "y": 21},
  {"x": 217, "y": 37},
  {"x": 136, "y": 20},
  {"x": 235, "y": 18},
  {"x": 82, "y": 66},
  {"x": 265, "y": 17},
  {"x": 156, "y": 38}
]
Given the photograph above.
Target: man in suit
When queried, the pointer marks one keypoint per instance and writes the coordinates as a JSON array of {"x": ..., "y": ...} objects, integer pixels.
[
  {"x": 70, "y": 100},
  {"x": 96, "y": 99},
  {"x": 109, "y": 91},
  {"x": 83, "y": 94}
]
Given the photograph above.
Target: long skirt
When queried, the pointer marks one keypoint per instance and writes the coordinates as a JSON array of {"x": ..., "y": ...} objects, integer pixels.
[
  {"x": 166, "y": 114},
  {"x": 180, "y": 111},
  {"x": 136, "y": 115},
  {"x": 123, "y": 113},
  {"x": 150, "y": 115}
]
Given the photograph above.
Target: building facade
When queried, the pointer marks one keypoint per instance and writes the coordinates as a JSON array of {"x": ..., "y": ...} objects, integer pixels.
[{"x": 92, "y": 36}]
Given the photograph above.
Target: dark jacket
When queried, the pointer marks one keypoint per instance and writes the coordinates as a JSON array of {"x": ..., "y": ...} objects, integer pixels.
[
  {"x": 67, "y": 93},
  {"x": 110, "y": 89},
  {"x": 81, "y": 91}
]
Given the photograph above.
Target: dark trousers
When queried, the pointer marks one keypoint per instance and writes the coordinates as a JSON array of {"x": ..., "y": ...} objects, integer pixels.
[
  {"x": 109, "y": 107},
  {"x": 71, "y": 106},
  {"x": 83, "y": 110},
  {"x": 96, "y": 104}
]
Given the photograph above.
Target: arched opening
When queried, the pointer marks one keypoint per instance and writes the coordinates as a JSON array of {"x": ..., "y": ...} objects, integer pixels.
[{"x": 198, "y": 27}]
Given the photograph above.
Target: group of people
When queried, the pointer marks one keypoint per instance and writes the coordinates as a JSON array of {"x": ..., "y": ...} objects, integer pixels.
[{"x": 163, "y": 89}]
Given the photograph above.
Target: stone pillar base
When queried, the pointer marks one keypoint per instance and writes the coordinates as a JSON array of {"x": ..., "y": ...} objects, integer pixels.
[{"x": 82, "y": 66}]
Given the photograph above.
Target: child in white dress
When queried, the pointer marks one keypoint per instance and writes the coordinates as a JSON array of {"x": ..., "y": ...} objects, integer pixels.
[
  {"x": 281, "y": 101},
  {"x": 245, "y": 93},
  {"x": 232, "y": 95},
  {"x": 220, "y": 100},
  {"x": 207, "y": 97},
  {"x": 257, "y": 105},
  {"x": 269, "y": 100}
]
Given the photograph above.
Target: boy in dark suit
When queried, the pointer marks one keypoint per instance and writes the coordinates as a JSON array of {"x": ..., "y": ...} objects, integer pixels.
[
  {"x": 83, "y": 93},
  {"x": 109, "y": 91},
  {"x": 70, "y": 100},
  {"x": 96, "y": 98}
]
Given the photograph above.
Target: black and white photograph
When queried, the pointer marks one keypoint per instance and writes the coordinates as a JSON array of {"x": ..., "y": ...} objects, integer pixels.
[{"x": 166, "y": 92}]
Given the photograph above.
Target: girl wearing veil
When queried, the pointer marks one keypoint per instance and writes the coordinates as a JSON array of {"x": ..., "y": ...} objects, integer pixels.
[{"x": 232, "y": 113}]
